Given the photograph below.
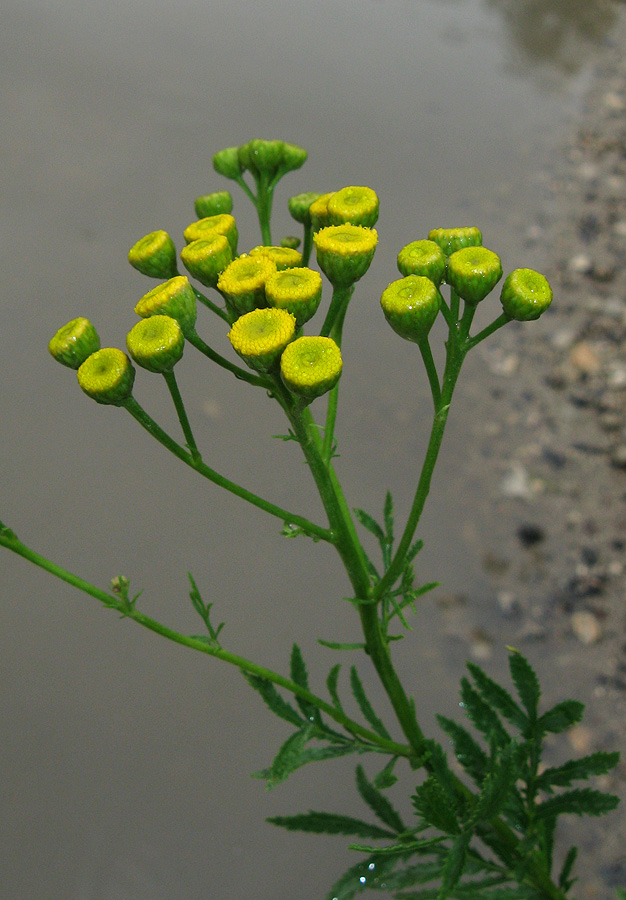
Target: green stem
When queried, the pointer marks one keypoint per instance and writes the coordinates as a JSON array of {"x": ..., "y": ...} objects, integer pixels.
[
  {"x": 212, "y": 306},
  {"x": 338, "y": 305},
  {"x": 10, "y": 542},
  {"x": 502, "y": 319},
  {"x": 336, "y": 333},
  {"x": 141, "y": 416},
  {"x": 170, "y": 380},
  {"x": 431, "y": 371},
  {"x": 264, "y": 198},
  {"x": 195, "y": 340},
  {"x": 307, "y": 243}
]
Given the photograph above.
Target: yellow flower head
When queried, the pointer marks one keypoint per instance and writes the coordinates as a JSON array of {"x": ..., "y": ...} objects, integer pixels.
[
  {"x": 318, "y": 212},
  {"x": 175, "y": 298},
  {"x": 473, "y": 272},
  {"x": 243, "y": 282},
  {"x": 284, "y": 257},
  {"x": 411, "y": 305},
  {"x": 73, "y": 343},
  {"x": 207, "y": 258},
  {"x": 107, "y": 376},
  {"x": 154, "y": 255},
  {"x": 156, "y": 343},
  {"x": 526, "y": 294},
  {"x": 423, "y": 258},
  {"x": 222, "y": 223},
  {"x": 452, "y": 239},
  {"x": 260, "y": 336},
  {"x": 297, "y": 290},
  {"x": 344, "y": 252},
  {"x": 311, "y": 366},
  {"x": 354, "y": 205}
]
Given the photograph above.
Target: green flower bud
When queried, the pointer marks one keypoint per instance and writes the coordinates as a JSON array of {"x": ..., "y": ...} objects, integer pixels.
[
  {"x": 243, "y": 282},
  {"x": 73, "y": 343},
  {"x": 452, "y": 239},
  {"x": 354, "y": 205},
  {"x": 226, "y": 163},
  {"x": 291, "y": 241},
  {"x": 261, "y": 335},
  {"x": 261, "y": 156},
  {"x": 207, "y": 259},
  {"x": 318, "y": 212},
  {"x": 525, "y": 295},
  {"x": 215, "y": 204},
  {"x": 283, "y": 257},
  {"x": 423, "y": 258},
  {"x": 299, "y": 206},
  {"x": 175, "y": 298},
  {"x": 205, "y": 228},
  {"x": 154, "y": 255},
  {"x": 411, "y": 305},
  {"x": 156, "y": 343},
  {"x": 473, "y": 272},
  {"x": 293, "y": 157},
  {"x": 344, "y": 252},
  {"x": 107, "y": 376},
  {"x": 311, "y": 366},
  {"x": 297, "y": 290}
]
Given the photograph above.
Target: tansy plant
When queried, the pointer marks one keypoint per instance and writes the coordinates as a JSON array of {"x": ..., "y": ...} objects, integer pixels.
[{"x": 483, "y": 825}]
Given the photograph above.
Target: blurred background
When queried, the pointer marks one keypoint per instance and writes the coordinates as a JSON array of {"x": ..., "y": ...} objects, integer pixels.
[{"x": 125, "y": 760}]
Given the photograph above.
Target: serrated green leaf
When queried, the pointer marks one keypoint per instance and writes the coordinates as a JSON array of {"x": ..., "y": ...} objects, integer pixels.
[
  {"x": 455, "y": 863},
  {"x": 331, "y": 684},
  {"x": 300, "y": 676},
  {"x": 378, "y": 803},
  {"x": 414, "y": 550},
  {"x": 470, "y": 755},
  {"x": 332, "y": 751},
  {"x": 273, "y": 699},
  {"x": 499, "y": 698},
  {"x": 566, "y": 870},
  {"x": 388, "y": 516},
  {"x": 403, "y": 848},
  {"x": 497, "y": 785},
  {"x": 577, "y": 769},
  {"x": 482, "y": 715},
  {"x": 579, "y": 802},
  {"x": 287, "y": 760},
  {"x": 385, "y": 778},
  {"x": 329, "y": 823},
  {"x": 370, "y": 524},
  {"x": 561, "y": 717},
  {"x": 365, "y": 706},
  {"x": 363, "y": 876},
  {"x": 432, "y": 803},
  {"x": 526, "y": 683}
]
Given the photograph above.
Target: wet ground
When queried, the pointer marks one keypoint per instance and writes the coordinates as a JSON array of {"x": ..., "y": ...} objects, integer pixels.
[{"x": 125, "y": 761}]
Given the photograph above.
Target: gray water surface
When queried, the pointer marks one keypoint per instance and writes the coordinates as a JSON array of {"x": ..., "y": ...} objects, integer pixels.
[{"x": 125, "y": 760}]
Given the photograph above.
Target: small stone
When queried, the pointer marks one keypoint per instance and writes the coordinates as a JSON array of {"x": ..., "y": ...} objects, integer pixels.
[
  {"x": 508, "y": 603},
  {"x": 616, "y": 377},
  {"x": 563, "y": 338},
  {"x": 580, "y": 264},
  {"x": 586, "y": 627},
  {"x": 620, "y": 228},
  {"x": 588, "y": 171},
  {"x": 530, "y": 535},
  {"x": 516, "y": 483},
  {"x": 584, "y": 358},
  {"x": 580, "y": 738},
  {"x": 481, "y": 645},
  {"x": 614, "y": 101},
  {"x": 618, "y": 456}
]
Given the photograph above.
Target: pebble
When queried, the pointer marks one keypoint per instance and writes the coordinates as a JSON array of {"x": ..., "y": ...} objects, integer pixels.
[
  {"x": 580, "y": 737},
  {"x": 586, "y": 627},
  {"x": 618, "y": 456},
  {"x": 516, "y": 483},
  {"x": 584, "y": 358},
  {"x": 580, "y": 264}
]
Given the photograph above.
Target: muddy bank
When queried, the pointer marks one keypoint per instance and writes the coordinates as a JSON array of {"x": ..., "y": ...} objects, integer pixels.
[{"x": 554, "y": 445}]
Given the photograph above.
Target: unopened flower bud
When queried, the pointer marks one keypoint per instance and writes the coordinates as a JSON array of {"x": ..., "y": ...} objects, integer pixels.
[
  {"x": 411, "y": 305},
  {"x": 154, "y": 255},
  {"x": 175, "y": 298},
  {"x": 452, "y": 239},
  {"x": 300, "y": 206},
  {"x": 226, "y": 163},
  {"x": 423, "y": 258},
  {"x": 291, "y": 241},
  {"x": 311, "y": 366},
  {"x": 243, "y": 282},
  {"x": 353, "y": 205},
  {"x": 73, "y": 343},
  {"x": 207, "y": 259},
  {"x": 473, "y": 272},
  {"x": 156, "y": 343},
  {"x": 107, "y": 376},
  {"x": 293, "y": 157},
  {"x": 297, "y": 290},
  {"x": 283, "y": 257},
  {"x": 526, "y": 294},
  {"x": 261, "y": 335},
  {"x": 344, "y": 252},
  {"x": 215, "y": 204},
  {"x": 318, "y": 212},
  {"x": 205, "y": 228}
]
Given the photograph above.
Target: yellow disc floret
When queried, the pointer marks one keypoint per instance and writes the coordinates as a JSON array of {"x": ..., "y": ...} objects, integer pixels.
[
  {"x": 222, "y": 223},
  {"x": 206, "y": 258},
  {"x": 311, "y": 366},
  {"x": 175, "y": 298},
  {"x": 156, "y": 343},
  {"x": 243, "y": 282},
  {"x": 260, "y": 336},
  {"x": 107, "y": 376},
  {"x": 297, "y": 290},
  {"x": 284, "y": 257},
  {"x": 73, "y": 343},
  {"x": 318, "y": 212},
  {"x": 344, "y": 252},
  {"x": 154, "y": 255},
  {"x": 354, "y": 205}
]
